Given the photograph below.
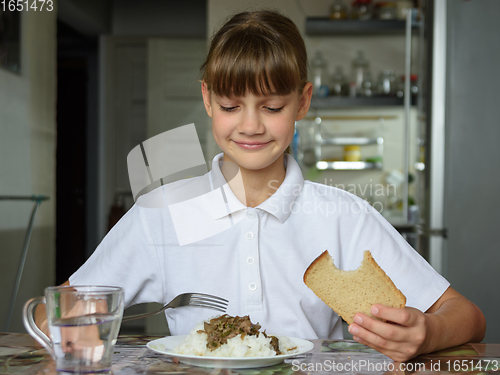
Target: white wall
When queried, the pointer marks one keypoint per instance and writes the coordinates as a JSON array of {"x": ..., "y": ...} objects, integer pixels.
[{"x": 27, "y": 162}]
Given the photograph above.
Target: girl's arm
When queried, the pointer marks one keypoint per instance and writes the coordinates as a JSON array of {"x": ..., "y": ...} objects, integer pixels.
[{"x": 452, "y": 320}]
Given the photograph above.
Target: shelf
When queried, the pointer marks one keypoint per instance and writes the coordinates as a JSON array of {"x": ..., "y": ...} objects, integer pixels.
[
  {"x": 349, "y": 141},
  {"x": 325, "y": 26},
  {"x": 348, "y": 102},
  {"x": 347, "y": 165}
]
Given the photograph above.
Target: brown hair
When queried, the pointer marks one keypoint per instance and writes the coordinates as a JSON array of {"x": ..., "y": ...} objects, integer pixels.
[{"x": 261, "y": 51}]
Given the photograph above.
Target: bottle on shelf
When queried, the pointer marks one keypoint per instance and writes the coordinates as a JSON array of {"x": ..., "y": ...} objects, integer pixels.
[
  {"x": 338, "y": 10},
  {"x": 352, "y": 89},
  {"x": 319, "y": 71},
  {"x": 386, "y": 10},
  {"x": 400, "y": 87},
  {"x": 400, "y": 91},
  {"x": 387, "y": 83},
  {"x": 338, "y": 82},
  {"x": 402, "y": 7},
  {"x": 368, "y": 86},
  {"x": 362, "y": 9},
  {"x": 359, "y": 70}
]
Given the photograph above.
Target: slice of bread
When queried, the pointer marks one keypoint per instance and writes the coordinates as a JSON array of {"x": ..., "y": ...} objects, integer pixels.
[{"x": 350, "y": 292}]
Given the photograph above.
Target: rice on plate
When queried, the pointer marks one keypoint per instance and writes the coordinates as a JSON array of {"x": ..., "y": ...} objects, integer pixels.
[{"x": 234, "y": 337}]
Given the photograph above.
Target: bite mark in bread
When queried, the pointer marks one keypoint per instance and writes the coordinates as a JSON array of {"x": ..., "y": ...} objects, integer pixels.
[{"x": 350, "y": 292}]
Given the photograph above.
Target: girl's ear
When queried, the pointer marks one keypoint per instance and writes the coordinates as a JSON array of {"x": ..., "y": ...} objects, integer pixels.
[
  {"x": 304, "y": 101},
  {"x": 206, "y": 98}
]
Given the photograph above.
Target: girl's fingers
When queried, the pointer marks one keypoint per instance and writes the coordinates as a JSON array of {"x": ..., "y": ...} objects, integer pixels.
[
  {"x": 387, "y": 339},
  {"x": 404, "y": 317},
  {"x": 379, "y": 329}
]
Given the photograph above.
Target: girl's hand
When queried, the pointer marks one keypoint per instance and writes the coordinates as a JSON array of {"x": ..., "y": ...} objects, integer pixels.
[
  {"x": 403, "y": 336},
  {"x": 84, "y": 341},
  {"x": 452, "y": 320}
]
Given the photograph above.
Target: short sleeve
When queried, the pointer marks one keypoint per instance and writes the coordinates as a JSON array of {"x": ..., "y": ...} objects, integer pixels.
[
  {"x": 410, "y": 272},
  {"x": 126, "y": 257}
]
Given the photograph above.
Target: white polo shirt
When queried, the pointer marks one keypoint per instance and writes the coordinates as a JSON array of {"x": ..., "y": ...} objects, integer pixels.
[{"x": 253, "y": 257}]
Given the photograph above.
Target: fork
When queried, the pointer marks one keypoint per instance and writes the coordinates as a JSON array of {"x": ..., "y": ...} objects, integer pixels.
[{"x": 187, "y": 299}]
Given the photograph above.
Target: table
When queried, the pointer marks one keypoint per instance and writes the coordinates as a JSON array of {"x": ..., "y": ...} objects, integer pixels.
[{"x": 20, "y": 354}]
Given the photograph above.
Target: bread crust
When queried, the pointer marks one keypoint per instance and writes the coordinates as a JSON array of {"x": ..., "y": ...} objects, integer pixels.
[
  {"x": 324, "y": 256},
  {"x": 349, "y": 292}
]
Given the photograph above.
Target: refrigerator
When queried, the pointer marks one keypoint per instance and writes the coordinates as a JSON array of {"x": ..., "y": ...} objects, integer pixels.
[{"x": 459, "y": 188}]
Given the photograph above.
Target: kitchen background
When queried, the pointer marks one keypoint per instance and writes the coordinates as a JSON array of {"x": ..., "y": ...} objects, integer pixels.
[{"x": 98, "y": 77}]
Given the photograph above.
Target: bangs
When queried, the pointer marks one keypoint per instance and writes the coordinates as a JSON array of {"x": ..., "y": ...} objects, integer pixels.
[{"x": 252, "y": 60}]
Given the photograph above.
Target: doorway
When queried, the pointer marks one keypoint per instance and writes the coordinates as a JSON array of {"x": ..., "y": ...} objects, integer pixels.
[{"x": 75, "y": 73}]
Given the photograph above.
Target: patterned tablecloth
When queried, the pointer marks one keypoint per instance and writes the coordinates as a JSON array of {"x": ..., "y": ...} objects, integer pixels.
[{"x": 20, "y": 354}]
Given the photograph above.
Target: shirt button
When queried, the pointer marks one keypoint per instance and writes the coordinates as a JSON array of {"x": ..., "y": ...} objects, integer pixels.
[
  {"x": 250, "y": 260},
  {"x": 252, "y": 286},
  {"x": 251, "y": 214},
  {"x": 249, "y": 235}
]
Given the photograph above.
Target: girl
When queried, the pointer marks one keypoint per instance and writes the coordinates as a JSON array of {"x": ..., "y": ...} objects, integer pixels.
[{"x": 255, "y": 87}]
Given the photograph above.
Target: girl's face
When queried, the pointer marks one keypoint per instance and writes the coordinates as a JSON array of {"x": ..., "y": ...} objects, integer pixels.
[{"x": 254, "y": 130}]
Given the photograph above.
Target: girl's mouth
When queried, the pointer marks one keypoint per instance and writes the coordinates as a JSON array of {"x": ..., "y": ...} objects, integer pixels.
[{"x": 252, "y": 145}]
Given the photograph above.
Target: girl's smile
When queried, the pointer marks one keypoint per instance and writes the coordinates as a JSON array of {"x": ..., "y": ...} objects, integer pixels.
[{"x": 249, "y": 145}]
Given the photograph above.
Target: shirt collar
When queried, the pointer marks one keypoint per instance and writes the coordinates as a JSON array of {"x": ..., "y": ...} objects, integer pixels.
[{"x": 280, "y": 204}]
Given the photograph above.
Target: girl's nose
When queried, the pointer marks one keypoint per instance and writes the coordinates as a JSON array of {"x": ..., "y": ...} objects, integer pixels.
[{"x": 251, "y": 124}]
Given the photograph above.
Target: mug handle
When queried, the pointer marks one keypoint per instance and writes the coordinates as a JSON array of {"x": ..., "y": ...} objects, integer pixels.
[{"x": 32, "y": 328}]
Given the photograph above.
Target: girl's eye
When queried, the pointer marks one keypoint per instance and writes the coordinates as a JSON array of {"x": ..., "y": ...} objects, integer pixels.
[
  {"x": 228, "y": 109},
  {"x": 274, "y": 110}
]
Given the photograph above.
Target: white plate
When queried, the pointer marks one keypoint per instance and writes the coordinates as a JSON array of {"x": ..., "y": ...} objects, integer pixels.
[{"x": 167, "y": 344}]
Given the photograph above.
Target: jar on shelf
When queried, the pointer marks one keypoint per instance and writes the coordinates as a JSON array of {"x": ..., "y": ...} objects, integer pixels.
[
  {"x": 413, "y": 86},
  {"x": 352, "y": 89},
  {"x": 400, "y": 87},
  {"x": 387, "y": 83},
  {"x": 367, "y": 86},
  {"x": 362, "y": 9},
  {"x": 319, "y": 71},
  {"x": 338, "y": 10},
  {"x": 338, "y": 82},
  {"x": 402, "y": 7},
  {"x": 386, "y": 10},
  {"x": 359, "y": 71},
  {"x": 352, "y": 153}
]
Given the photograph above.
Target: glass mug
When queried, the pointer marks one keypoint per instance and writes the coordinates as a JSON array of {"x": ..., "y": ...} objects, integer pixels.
[{"x": 83, "y": 321}]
